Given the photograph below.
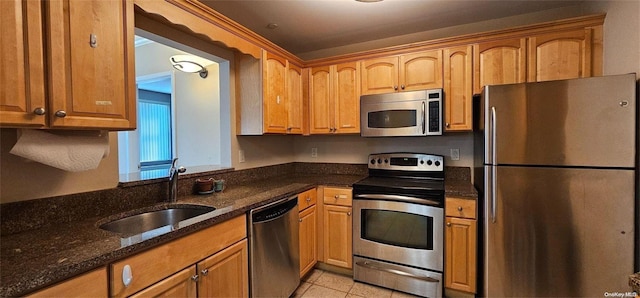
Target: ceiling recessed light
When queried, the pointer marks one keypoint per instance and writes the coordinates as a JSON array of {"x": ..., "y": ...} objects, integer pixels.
[{"x": 272, "y": 25}]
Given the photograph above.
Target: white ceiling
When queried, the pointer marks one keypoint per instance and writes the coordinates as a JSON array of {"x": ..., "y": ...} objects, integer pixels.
[{"x": 311, "y": 25}]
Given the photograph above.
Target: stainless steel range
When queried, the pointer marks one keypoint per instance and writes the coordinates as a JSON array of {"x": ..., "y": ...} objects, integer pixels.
[{"x": 398, "y": 223}]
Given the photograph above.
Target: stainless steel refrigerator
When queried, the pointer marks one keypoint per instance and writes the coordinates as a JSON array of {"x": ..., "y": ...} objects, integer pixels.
[{"x": 556, "y": 163}]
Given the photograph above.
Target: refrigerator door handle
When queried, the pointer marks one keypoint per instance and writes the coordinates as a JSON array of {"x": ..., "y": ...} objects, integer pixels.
[{"x": 494, "y": 174}]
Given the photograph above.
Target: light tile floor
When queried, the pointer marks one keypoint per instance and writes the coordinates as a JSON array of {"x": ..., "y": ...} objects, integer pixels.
[{"x": 326, "y": 284}]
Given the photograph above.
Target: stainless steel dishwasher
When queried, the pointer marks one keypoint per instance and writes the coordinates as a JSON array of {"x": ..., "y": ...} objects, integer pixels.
[{"x": 274, "y": 252}]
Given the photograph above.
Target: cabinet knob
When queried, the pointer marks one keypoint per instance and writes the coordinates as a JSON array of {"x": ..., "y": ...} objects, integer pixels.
[
  {"x": 61, "y": 114},
  {"x": 349, "y": 213},
  {"x": 448, "y": 224},
  {"x": 446, "y": 124},
  {"x": 459, "y": 208},
  {"x": 195, "y": 278},
  {"x": 300, "y": 219},
  {"x": 336, "y": 197},
  {"x": 39, "y": 111},
  {"x": 402, "y": 87},
  {"x": 308, "y": 199},
  {"x": 204, "y": 272},
  {"x": 93, "y": 40},
  {"x": 395, "y": 88}
]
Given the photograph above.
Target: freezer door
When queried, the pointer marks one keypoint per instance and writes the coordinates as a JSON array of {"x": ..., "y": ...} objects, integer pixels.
[
  {"x": 580, "y": 122},
  {"x": 558, "y": 232}
]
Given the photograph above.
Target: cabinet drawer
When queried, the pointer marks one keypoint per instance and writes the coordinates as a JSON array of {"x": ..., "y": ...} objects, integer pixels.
[
  {"x": 307, "y": 198},
  {"x": 92, "y": 284},
  {"x": 457, "y": 207},
  {"x": 337, "y": 196},
  {"x": 160, "y": 262}
]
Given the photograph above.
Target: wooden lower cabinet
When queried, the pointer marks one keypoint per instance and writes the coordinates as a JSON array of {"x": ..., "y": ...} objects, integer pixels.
[
  {"x": 92, "y": 284},
  {"x": 338, "y": 235},
  {"x": 181, "y": 284},
  {"x": 226, "y": 273},
  {"x": 460, "y": 245},
  {"x": 308, "y": 243},
  {"x": 150, "y": 267}
]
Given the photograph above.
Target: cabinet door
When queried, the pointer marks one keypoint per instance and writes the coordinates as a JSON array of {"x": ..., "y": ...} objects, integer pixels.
[
  {"x": 91, "y": 64},
  {"x": 274, "y": 102},
  {"x": 421, "y": 71},
  {"x": 320, "y": 110},
  {"x": 181, "y": 284},
  {"x": 22, "y": 96},
  {"x": 460, "y": 254},
  {"x": 379, "y": 75},
  {"x": 560, "y": 55},
  {"x": 294, "y": 99},
  {"x": 92, "y": 284},
  {"x": 347, "y": 98},
  {"x": 338, "y": 235},
  {"x": 499, "y": 62},
  {"x": 225, "y": 274},
  {"x": 457, "y": 88},
  {"x": 308, "y": 252}
]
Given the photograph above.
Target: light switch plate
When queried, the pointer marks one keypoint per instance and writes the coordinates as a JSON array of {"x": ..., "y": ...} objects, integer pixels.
[
  {"x": 314, "y": 152},
  {"x": 455, "y": 154}
]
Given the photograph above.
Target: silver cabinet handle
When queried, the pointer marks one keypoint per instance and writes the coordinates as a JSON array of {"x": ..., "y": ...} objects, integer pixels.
[
  {"x": 300, "y": 219},
  {"x": 61, "y": 114},
  {"x": 93, "y": 40},
  {"x": 349, "y": 213},
  {"x": 446, "y": 124},
  {"x": 308, "y": 199},
  {"x": 459, "y": 208},
  {"x": 39, "y": 111},
  {"x": 204, "y": 272},
  {"x": 395, "y": 271},
  {"x": 402, "y": 87},
  {"x": 448, "y": 224},
  {"x": 195, "y": 278},
  {"x": 395, "y": 88},
  {"x": 336, "y": 197}
]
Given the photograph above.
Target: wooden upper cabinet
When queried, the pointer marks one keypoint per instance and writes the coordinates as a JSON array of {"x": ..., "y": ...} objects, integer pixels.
[
  {"x": 274, "y": 99},
  {"x": 91, "y": 70},
  {"x": 347, "y": 98},
  {"x": 294, "y": 99},
  {"x": 334, "y": 99},
  {"x": 416, "y": 71},
  {"x": 379, "y": 75},
  {"x": 421, "y": 70},
  {"x": 499, "y": 62},
  {"x": 562, "y": 55},
  {"x": 458, "y": 89},
  {"x": 320, "y": 111},
  {"x": 22, "y": 95}
]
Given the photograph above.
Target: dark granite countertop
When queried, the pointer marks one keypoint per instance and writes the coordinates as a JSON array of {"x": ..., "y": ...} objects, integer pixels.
[{"x": 36, "y": 258}]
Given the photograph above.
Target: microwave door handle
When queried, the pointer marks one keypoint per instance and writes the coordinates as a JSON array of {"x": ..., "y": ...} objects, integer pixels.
[{"x": 424, "y": 117}]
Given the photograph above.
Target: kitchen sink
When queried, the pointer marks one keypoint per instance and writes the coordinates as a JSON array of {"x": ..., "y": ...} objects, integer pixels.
[{"x": 143, "y": 222}]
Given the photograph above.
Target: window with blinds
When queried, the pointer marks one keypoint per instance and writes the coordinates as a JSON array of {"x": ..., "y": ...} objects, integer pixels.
[{"x": 154, "y": 112}]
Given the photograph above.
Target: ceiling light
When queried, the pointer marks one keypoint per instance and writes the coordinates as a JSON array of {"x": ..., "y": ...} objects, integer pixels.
[{"x": 187, "y": 63}]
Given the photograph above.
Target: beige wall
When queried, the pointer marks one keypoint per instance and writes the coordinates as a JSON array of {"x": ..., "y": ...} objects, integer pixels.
[{"x": 22, "y": 180}]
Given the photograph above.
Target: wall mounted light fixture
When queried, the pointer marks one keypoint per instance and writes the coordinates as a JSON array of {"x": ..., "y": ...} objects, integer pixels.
[{"x": 186, "y": 63}]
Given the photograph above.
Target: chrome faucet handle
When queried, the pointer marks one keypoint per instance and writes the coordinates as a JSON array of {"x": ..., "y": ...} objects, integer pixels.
[{"x": 173, "y": 163}]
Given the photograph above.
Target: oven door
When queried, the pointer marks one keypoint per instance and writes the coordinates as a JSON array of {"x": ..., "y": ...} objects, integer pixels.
[
  {"x": 399, "y": 232},
  {"x": 397, "y": 118}
]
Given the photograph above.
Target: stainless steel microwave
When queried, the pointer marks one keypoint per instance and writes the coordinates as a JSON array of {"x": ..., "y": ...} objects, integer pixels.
[{"x": 412, "y": 113}]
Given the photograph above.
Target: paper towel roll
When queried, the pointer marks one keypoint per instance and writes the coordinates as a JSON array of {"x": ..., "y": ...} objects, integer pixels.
[{"x": 73, "y": 153}]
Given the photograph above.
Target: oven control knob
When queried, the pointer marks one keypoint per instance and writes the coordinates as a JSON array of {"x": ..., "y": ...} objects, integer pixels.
[
  {"x": 379, "y": 161},
  {"x": 429, "y": 162},
  {"x": 373, "y": 161},
  {"x": 437, "y": 163},
  {"x": 421, "y": 162},
  {"x": 386, "y": 161}
]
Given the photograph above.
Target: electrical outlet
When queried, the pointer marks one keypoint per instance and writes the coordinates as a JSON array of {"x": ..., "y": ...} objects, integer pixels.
[
  {"x": 314, "y": 152},
  {"x": 455, "y": 154},
  {"x": 241, "y": 155}
]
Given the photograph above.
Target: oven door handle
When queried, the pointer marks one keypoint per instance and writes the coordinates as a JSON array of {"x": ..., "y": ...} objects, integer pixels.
[
  {"x": 395, "y": 271},
  {"x": 400, "y": 198}
]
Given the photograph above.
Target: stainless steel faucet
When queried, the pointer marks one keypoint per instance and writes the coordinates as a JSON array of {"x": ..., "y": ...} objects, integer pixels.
[{"x": 173, "y": 181}]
